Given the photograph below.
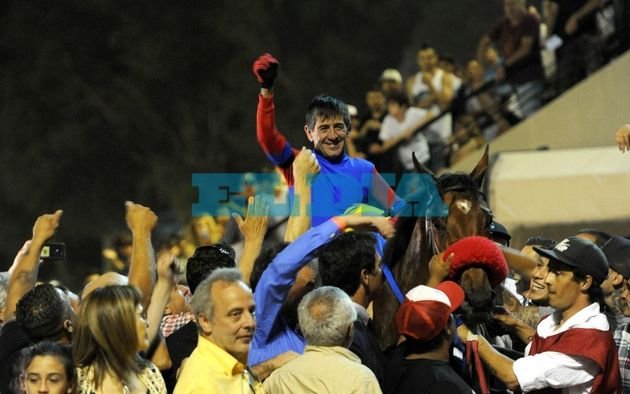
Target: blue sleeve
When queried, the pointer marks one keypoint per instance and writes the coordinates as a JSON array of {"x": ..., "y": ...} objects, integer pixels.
[{"x": 277, "y": 279}]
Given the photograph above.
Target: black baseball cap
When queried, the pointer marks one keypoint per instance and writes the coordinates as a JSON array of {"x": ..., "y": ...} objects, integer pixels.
[
  {"x": 581, "y": 254},
  {"x": 617, "y": 251}
]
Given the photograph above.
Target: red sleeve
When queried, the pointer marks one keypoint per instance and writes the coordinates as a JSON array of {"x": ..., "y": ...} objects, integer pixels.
[
  {"x": 383, "y": 193},
  {"x": 271, "y": 140}
]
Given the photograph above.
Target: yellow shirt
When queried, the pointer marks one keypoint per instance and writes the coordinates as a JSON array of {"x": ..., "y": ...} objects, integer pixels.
[{"x": 210, "y": 369}]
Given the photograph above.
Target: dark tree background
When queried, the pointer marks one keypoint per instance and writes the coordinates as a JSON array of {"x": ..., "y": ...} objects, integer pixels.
[{"x": 107, "y": 101}]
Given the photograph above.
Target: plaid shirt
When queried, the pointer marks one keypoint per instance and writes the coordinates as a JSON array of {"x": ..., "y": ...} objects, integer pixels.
[
  {"x": 622, "y": 340},
  {"x": 172, "y": 323}
]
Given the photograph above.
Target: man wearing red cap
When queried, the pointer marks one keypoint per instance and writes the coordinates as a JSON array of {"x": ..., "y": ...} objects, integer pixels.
[
  {"x": 422, "y": 360},
  {"x": 573, "y": 348}
]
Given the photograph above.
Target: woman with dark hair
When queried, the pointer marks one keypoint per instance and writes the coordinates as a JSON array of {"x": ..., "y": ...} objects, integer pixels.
[
  {"x": 46, "y": 367},
  {"x": 111, "y": 331}
]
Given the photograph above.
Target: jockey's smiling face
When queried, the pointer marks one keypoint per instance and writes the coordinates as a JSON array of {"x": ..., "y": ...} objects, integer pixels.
[{"x": 328, "y": 135}]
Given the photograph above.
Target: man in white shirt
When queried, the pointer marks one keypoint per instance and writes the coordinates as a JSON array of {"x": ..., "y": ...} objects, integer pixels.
[
  {"x": 399, "y": 130},
  {"x": 434, "y": 88},
  {"x": 573, "y": 349}
]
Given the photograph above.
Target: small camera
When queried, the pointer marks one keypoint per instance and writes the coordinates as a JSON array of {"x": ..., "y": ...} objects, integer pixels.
[{"x": 53, "y": 251}]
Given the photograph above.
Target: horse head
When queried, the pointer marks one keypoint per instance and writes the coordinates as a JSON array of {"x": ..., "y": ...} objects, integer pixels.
[
  {"x": 423, "y": 234},
  {"x": 468, "y": 210},
  {"x": 479, "y": 266},
  {"x": 420, "y": 233}
]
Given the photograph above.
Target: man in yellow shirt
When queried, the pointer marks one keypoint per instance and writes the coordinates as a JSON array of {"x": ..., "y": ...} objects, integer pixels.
[{"x": 224, "y": 307}]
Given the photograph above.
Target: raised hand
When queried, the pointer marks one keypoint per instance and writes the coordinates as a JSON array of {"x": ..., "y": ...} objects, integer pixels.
[
  {"x": 622, "y": 138},
  {"x": 45, "y": 226},
  {"x": 26, "y": 264},
  {"x": 265, "y": 69},
  {"x": 381, "y": 224},
  {"x": 254, "y": 226},
  {"x": 165, "y": 267},
  {"x": 439, "y": 269},
  {"x": 305, "y": 165},
  {"x": 139, "y": 217}
]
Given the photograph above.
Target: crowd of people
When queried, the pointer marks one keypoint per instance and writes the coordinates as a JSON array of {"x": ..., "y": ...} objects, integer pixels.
[
  {"x": 527, "y": 58},
  {"x": 295, "y": 316}
]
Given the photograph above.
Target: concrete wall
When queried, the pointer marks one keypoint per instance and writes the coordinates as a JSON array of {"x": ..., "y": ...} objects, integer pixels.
[{"x": 585, "y": 116}]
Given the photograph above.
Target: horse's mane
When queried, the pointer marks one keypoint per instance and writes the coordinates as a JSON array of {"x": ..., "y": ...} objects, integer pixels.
[{"x": 397, "y": 246}]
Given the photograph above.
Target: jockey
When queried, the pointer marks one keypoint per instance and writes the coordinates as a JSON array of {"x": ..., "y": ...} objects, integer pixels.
[{"x": 343, "y": 180}]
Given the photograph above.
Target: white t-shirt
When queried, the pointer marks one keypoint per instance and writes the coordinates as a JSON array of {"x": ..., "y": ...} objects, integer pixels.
[
  {"x": 441, "y": 129},
  {"x": 554, "y": 369},
  {"x": 391, "y": 128}
]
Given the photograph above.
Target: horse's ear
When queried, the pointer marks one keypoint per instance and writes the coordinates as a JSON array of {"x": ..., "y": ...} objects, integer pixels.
[
  {"x": 420, "y": 168},
  {"x": 479, "y": 172}
]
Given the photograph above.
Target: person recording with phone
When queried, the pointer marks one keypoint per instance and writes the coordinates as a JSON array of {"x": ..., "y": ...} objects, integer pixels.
[{"x": 32, "y": 313}]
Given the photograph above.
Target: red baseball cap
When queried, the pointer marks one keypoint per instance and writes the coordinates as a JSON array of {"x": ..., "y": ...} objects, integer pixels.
[{"x": 425, "y": 312}]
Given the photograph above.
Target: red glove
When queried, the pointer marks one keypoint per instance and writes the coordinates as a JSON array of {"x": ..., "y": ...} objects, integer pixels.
[{"x": 265, "y": 69}]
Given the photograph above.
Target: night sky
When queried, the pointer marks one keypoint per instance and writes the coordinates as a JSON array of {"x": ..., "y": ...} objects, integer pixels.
[{"x": 107, "y": 101}]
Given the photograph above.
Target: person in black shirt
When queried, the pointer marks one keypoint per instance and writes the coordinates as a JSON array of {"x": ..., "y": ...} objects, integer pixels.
[
  {"x": 420, "y": 364},
  {"x": 351, "y": 263},
  {"x": 574, "y": 22}
]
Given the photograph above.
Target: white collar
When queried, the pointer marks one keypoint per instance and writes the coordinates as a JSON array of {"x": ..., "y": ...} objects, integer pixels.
[{"x": 588, "y": 317}]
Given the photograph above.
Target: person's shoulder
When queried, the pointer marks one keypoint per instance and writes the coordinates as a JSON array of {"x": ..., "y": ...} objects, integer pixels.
[
  {"x": 355, "y": 368},
  {"x": 11, "y": 327},
  {"x": 12, "y": 338},
  {"x": 200, "y": 362},
  {"x": 388, "y": 120},
  {"x": 447, "y": 388},
  {"x": 412, "y": 80},
  {"x": 408, "y": 375},
  {"x": 530, "y": 21},
  {"x": 151, "y": 376},
  {"x": 186, "y": 333},
  {"x": 359, "y": 162},
  {"x": 436, "y": 376},
  {"x": 499, "y": 25},
  {"x": 416, "y": 113}
]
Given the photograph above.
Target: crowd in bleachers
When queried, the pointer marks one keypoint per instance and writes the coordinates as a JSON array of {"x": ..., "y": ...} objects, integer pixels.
[
  {"x": 244, "y": 302},
  {"x": 530, "y": 56}
]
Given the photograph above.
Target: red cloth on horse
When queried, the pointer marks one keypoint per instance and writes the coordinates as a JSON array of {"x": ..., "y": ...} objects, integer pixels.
[{"x": 478, "y": 252}]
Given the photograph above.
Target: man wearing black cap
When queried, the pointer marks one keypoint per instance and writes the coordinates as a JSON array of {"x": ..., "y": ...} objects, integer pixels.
[{"x": 573, "y": 348}]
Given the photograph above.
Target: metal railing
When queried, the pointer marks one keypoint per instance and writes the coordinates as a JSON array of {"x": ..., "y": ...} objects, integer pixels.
[{"x": 501, "y": 105}]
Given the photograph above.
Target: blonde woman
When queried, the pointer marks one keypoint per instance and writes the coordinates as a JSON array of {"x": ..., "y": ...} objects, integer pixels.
[{"x": 111, "y": 331}]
